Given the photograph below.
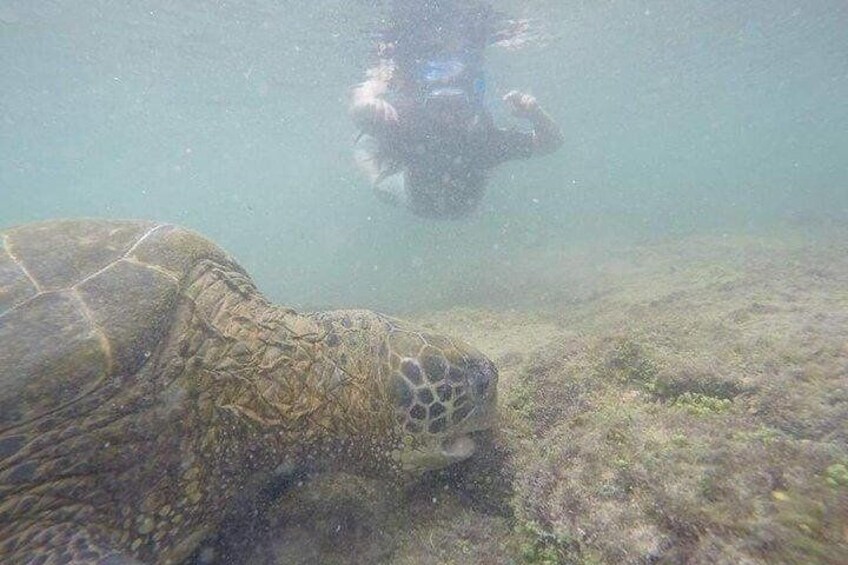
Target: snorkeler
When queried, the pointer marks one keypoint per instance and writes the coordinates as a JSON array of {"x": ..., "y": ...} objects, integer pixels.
[{"x": 428, "y": 141}]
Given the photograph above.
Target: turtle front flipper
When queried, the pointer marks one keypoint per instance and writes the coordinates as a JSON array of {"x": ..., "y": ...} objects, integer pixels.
[{"x": 50, "y": 543}]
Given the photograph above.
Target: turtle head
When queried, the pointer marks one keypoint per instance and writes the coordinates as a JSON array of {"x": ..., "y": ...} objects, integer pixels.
[
  {"x": 443, "y": 391},
  {"x": 419, "y": 396}
]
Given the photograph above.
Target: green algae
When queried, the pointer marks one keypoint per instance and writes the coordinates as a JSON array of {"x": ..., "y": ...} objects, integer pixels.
[
  {"x": 538, "y": 546},
  {"x": 836, "y": 475},
  {"x": 702, "y": 404},
  {"x": 628, "y": 362}
]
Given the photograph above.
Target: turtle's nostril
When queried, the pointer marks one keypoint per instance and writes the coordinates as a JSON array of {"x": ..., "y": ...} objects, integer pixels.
[
  {"x": 481, "y": 384},
  {"x": 483, "y": 378}
]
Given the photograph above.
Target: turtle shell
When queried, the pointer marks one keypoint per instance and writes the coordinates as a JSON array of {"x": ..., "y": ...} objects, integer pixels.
[{"x": 83, "y": 301}]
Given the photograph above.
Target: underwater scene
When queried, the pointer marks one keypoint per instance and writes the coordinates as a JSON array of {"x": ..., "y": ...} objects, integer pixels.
[{"x": 423, "y": 281}]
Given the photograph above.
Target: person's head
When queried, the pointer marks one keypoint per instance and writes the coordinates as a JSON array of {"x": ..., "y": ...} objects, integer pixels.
[{"x": 451, "y": 91}]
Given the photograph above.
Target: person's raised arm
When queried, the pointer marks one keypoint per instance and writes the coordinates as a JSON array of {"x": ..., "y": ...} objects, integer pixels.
[
  {"x": 368, "y": 109},
  {"x": 547, "y": 136}
]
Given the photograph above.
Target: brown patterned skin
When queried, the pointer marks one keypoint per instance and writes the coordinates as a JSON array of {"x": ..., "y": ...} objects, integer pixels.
[{"x": 146, "y": 386}]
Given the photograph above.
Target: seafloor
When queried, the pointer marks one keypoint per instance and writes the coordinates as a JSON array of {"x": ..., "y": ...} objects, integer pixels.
[{"x": 672, "y": 401}]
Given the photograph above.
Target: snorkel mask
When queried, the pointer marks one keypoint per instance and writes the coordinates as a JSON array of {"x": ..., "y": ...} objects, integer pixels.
[{"x": 450, "y": 89}]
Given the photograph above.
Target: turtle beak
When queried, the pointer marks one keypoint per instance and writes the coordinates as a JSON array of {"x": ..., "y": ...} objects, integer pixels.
[{"x": 458, "y": 448}]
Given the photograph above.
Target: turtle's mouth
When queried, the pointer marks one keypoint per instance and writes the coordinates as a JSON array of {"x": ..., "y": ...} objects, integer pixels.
[{"x": 459, "y": 447}]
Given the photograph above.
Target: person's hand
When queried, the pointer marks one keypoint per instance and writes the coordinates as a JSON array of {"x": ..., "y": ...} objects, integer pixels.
[{"x": 522, "y": 105}]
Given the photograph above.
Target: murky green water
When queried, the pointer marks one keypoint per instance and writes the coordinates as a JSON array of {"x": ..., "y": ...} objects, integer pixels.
[{"x": 229, "y": 117}]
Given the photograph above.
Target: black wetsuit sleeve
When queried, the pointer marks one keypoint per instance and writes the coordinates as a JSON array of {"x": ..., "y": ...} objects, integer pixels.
[{"x": 508, "y": 144}]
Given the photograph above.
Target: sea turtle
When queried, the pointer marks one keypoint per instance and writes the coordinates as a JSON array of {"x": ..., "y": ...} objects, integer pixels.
[{"x": 146, "y": 385}]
